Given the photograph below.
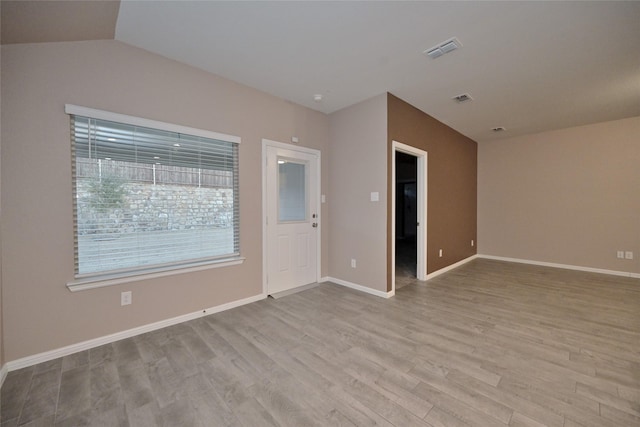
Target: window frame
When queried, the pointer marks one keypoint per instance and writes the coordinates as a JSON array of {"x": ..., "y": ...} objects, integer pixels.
[{"x": 108, "y": 278}]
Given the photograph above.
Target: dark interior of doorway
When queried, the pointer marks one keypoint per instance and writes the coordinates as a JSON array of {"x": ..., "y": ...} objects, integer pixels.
[{"x": 406, "y": 218}]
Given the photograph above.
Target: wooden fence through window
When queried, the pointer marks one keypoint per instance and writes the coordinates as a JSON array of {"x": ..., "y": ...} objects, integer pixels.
[{"x": 153, "y": 173}]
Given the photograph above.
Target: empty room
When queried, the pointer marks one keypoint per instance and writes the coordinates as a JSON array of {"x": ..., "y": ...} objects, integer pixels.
[{"x": 319, "y": 213}]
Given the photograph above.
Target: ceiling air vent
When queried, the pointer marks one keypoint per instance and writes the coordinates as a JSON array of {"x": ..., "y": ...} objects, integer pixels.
[
  {"x": 434, "y": 53},
  {"x": 442, "y": 48},
  {"x": 462, "y": 98}
]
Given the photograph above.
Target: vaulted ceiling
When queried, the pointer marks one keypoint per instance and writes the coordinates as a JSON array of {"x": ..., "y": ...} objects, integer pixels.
[{"x": 528, "y": 66}]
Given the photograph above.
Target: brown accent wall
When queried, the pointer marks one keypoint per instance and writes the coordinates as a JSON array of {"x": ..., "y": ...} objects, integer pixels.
[{"x": 451, "y": 186}]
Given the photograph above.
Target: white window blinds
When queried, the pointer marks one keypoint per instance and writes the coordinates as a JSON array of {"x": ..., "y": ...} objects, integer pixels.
[{"x": 146, "y": 198}]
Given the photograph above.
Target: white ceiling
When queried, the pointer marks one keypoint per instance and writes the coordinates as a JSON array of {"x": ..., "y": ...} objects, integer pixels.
[{"x": 529, "y": 66}]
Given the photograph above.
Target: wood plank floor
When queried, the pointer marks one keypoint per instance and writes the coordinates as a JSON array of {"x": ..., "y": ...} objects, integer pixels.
[{"x": 488, "y": 344}]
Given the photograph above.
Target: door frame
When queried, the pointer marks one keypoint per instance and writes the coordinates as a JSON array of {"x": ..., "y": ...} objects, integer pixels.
[
  {"x": 421, "y": 192},
  {"x": 267, "y": 143}
]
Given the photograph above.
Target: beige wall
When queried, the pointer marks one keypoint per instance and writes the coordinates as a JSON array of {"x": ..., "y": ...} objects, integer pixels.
[
  {"x": 570, "y": 196},
  {"x": 358, "y": 159},
  {"x": 451, "y": 182},
  {"x": 40, "y": 314}
]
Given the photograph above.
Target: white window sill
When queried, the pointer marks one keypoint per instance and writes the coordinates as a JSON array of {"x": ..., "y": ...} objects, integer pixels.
[{"x": 118, "y": 279}]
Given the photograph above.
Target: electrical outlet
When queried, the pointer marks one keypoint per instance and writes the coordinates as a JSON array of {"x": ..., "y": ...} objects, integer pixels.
[
  {"x": 125, "y": 298},
  {"x": 620, "y": 254},
  {"x": 628, "y": 255},
  {"x": 440, "y": 253},
  {"x": 353, "y": 263}
]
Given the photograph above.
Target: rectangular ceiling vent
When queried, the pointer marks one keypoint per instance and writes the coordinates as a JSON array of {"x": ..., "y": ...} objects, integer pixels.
[
  {"x": 462, "y": 98},
  {"x": 442, "y": 48}
]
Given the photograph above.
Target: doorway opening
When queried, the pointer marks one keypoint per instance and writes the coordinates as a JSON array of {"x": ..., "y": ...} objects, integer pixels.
[
  {"x": 409, "y": 215},
  {"x": 406, "y": 218}
]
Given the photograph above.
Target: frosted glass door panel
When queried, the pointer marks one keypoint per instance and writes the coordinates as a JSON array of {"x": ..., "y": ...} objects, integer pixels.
[{"x": 292, "y": 191}]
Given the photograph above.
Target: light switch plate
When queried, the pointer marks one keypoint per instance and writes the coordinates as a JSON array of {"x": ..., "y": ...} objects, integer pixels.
[{"x": 375, "y": 196}]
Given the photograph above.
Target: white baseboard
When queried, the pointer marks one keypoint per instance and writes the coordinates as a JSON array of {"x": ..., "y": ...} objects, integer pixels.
[
  {"x": 288, "y": 292},
  {"x": 565, "y": 266},
  {"x": 3, "y": 374},
  {"x": 392, "y": 293},
  {"x": 450, "y": 267},
  {"x": 360, "y": 288},
  {"x": 96, "y": 342}
]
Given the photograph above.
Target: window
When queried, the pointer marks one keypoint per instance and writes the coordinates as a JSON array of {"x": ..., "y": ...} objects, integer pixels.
[
  {"x": 150, "y": 195},
  {"x": 292, "y": 191}
]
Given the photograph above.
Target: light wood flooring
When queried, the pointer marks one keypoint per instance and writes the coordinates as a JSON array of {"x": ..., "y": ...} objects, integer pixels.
[{"x": 488, "y": 344}]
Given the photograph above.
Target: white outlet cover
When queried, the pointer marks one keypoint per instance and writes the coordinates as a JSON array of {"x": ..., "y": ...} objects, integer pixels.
[
  {"x": 628, "y": 255},
  {"x": 375, "y": 196},
  {"x": 125, "y": 298},
  {"x": 620, "y": 254}
]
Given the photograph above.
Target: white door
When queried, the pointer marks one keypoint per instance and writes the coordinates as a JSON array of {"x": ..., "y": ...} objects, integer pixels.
[{"x": 292, "y": 220}]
